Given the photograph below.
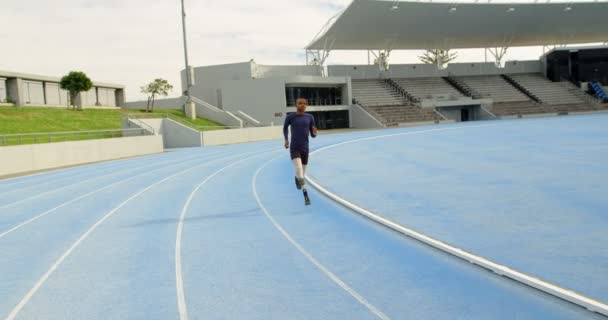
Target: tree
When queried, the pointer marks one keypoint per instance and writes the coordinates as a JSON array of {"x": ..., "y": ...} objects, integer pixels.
[
  {"x": 157, "y": 87},
  {"x": 438, "y": 57},
  {"x": 76, "y": 82}
]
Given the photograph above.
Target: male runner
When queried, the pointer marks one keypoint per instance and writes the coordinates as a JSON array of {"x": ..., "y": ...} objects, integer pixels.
[{"x": 301, "y": 125}]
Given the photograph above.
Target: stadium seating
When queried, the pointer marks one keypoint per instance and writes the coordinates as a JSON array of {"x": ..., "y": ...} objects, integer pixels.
[
  {"x": 519, "y": 108},
  {"x": 370, "y": 93},
  {"x": 552, "y": 93},
  {"x": 599, "y": 91},
  {"x": 494, "y": 87},
  {"x": 394, "y": 115},
  {"x": 429, "y": 88}
]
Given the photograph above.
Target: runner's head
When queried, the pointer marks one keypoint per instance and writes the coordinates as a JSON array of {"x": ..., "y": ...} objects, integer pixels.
[{"x": 301, "y": 105}]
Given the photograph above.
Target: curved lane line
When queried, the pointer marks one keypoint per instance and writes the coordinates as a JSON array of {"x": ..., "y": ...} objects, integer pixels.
[
  {"x": 309, "y": 256},
  {"x": 28, "y": 221},
  {"x": 179, "y": 279},
  {"x": 89, "y": 180},
  {"x": 547, "y": 287},
  {"x": 57, "y": 263}
]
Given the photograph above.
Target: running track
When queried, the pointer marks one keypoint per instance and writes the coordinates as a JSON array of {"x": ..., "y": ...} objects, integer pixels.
[{"x": 221, "y": 233}]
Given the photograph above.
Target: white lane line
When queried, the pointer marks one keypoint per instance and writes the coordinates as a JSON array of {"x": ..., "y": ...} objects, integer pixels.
[
  {"x": 23, "y": 224},
  {"x": 309, "y": 256},
  {"x": 179, "y": 279},
  {"x": 92, "y": 179},
  {"x": 57, "y": 263},
  {"x": 81, "y": 170},
  {"x": 536, "y": 283}
]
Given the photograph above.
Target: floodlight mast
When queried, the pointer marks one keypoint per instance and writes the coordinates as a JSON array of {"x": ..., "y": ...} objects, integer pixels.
[{"x": 189, "y": 106}]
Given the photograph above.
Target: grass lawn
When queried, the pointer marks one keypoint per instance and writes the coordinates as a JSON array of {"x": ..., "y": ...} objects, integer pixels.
[
  {"x": 42, "y": 120},
  {"x": 178, "y": 115},
  {"x": 36, "y": 120}
]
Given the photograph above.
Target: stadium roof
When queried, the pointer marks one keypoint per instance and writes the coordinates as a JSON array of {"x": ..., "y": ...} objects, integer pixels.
[{"x": 403, "y": 25}]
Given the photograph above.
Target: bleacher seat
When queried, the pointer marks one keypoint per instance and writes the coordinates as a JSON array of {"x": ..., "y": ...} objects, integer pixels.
[
  {"x": 494, "y": 87},
  {"x": 429, "y": 88},
  {"x": 553, "y": 93},
  {"x": 376, "y": 93}
]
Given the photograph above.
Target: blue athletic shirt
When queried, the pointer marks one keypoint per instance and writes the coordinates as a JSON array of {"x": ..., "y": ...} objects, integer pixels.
[{"x": 301, "y": 125}]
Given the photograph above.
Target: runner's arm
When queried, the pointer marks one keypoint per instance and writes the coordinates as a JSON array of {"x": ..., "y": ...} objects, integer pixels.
[
  {"x": 286, "y": 131},
  {"x": 313, "y": 128}
]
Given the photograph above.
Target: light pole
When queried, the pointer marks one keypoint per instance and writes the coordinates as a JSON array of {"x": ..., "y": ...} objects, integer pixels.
[{"x": 189, "y": 107}]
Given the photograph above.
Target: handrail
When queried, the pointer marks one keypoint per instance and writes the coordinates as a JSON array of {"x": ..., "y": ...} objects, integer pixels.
[
  {"x": 206, "y": 104},
  {"x": 63, "y": 136},
  {"x": 142, "y": 124}
]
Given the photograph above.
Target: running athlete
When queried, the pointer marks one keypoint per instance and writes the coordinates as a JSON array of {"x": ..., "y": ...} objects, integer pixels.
[{"x": 301, "y": 124}]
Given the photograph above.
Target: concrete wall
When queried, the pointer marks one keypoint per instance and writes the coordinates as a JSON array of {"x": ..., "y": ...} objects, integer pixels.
[
  {"x": 3, "y": 93},
  {"x": 55, "y": 96},
  {"x": 262, "y": 99},
  {"x": 36, "y": 90},
  {"x": 532, "y": 66},
  {"x": 427, "y": 70},
  {"x": 169, "y": 103},
  {"x": 361, "y": 119},
  {"x": 395, "y": 71},
  {"x": 14, "y": 88},
  {"x": 207, "y": 79},
  {"x": 265, "y": 101},
  {"x": 233, "y": 136},
  {"x": 176, "y": 135},
  {"x": 27, "y": 158},
  {"x": 261, "y": 71},
  {"x": 33, "y": 93}
]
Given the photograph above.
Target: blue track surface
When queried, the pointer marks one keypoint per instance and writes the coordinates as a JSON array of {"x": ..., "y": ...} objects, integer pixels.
[{"x": 99, "y": 242}]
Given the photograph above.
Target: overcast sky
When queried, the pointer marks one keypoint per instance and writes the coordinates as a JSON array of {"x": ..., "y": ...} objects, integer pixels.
[{"x": 131, "y": 42}]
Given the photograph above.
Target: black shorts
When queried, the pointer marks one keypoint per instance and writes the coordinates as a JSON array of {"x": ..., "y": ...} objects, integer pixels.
[{"x": 299, "y": 153}]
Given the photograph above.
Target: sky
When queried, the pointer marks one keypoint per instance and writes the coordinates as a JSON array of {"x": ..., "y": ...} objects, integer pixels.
[{"x": 132, "y": 42}]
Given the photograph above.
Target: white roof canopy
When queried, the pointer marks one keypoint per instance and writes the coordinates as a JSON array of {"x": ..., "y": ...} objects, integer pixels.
[{"x": 404, "y": 25}]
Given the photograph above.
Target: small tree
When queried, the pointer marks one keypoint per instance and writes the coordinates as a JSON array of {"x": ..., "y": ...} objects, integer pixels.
[
  {"x": 438, "y": 57},
  {"x": 76, "y": 82},
  {"x": 157, "y": 87}
]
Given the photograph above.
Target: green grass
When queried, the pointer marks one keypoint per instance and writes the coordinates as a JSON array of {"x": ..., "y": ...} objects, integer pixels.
[
  {"x": 34, "y": 120},
  {"x": 46, "y": 120},
  {"x": 178, "y": 115}
]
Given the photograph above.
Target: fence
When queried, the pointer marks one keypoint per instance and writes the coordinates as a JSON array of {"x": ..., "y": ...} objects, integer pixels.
[{"x": 50, "y": 137}]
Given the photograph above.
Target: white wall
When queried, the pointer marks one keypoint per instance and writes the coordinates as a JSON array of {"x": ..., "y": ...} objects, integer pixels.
[
  {"x": 169, "y": 103},
  {"x": 234, "y": 136},
  {"x": 55, "y": 96},
  {"x": 208, "y": 79},
  {"x": 28, "y": 158},
  {"x": 265, "y": 101},
  {"x": 532, "y": 66},
  {"x": 361, "y": 119},
  {"x": 3, "y": 93},
  {"x": 262, "y": 71},
  {"x": 395, "y": 71},
  {"x": 107, "y": 97},
  {"x": 260, "y": 98},
  {"x": 33, "y": 93},
  {"x": 176, "y": 135},
  {"x": 427, "y": 70}
]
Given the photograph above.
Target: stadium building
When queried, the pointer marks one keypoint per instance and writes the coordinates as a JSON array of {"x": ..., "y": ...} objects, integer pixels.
[
  {"x": 377, "y": 94},
  {"x": 23, "y": 89}
]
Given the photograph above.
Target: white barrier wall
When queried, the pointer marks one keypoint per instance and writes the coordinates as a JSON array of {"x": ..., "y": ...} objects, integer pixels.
[
  {"x": 428, "y": 70},
  {"x": 35, "y": 157},
  {"x": 361, "y": 119},
  {"x": 3, "y": 94},
  {"x": 233, "y": 136},
  {"x": 169, "y": 103}
]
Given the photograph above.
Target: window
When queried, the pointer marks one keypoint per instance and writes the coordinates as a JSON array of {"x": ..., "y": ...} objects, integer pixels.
[{"x": 316, "y": 96}]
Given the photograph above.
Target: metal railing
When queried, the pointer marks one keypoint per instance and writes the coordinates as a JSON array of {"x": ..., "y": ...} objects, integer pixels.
[
  {"x": 50, "y": 137},
  {"x": 190, "y": 124}
]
